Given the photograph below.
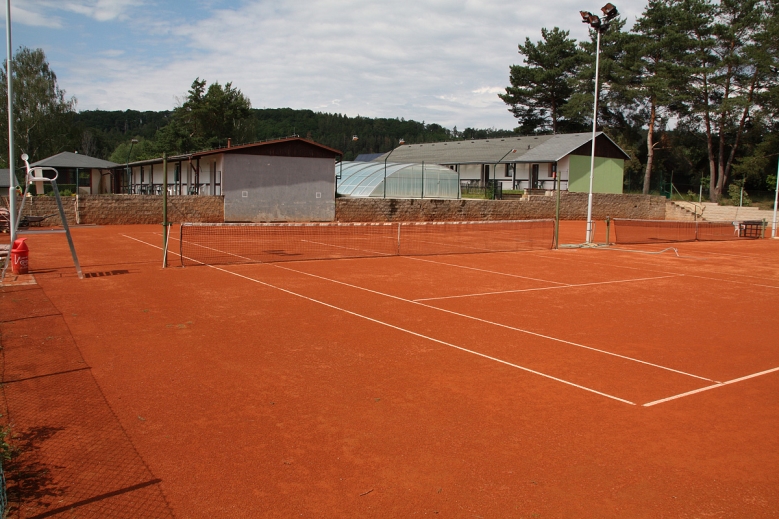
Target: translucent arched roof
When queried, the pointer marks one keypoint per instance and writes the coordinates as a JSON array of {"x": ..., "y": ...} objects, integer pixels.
[{"x": 366, "y": 179}]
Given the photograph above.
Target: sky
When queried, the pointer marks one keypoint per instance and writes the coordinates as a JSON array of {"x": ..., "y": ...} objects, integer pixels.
[{"x": 437, "y": 61}]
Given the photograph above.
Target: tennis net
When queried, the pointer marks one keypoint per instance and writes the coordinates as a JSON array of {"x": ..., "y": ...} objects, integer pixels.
[
  {"x": 667, "y": 231},
  {"x": 233, "y": 243}
]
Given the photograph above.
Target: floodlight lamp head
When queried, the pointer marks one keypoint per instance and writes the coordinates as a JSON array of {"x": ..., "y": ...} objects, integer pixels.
[
  {"x": 355, "y": 138},
  {"x": 609, "y": 11},
  {"x": 133, "y": 141},
  {"x": 402, "y": 141},
  {"x": 25, "y": 157},
  {"x": 593, "y": 20}
]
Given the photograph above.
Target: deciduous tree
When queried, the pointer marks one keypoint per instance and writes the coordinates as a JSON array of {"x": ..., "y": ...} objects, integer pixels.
[{"x": 41, "y": 110}]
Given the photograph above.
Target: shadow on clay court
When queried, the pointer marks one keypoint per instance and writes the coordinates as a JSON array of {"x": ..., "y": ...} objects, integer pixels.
[{"x": 72, "y": 457}]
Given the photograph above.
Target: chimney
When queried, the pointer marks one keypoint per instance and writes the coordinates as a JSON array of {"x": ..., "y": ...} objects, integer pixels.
[{"x": 229, "y": 143}]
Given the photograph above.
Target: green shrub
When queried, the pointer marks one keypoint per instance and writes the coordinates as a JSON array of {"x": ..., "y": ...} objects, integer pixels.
[{"x": 734, "y": 192}]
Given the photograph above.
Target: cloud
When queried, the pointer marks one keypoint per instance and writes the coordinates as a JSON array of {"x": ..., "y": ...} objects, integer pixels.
[
  {"x": 441, "y": 61},
  {"x": 32, "y": 18},
  {"x": 100, "y": 10}
]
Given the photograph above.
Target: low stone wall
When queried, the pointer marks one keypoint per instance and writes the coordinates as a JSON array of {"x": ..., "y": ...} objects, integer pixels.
[
  {"x": 573, "y": 206},
  {"x": 674, "y": 212},
  {"x": 124, "y": 209},
  {"x": 147, "y": 209}
]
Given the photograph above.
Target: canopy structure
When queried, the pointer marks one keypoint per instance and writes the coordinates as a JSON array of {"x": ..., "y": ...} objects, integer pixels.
[
  {"x": 67, "y": 159},
  {"x": 367, "y": 179}
]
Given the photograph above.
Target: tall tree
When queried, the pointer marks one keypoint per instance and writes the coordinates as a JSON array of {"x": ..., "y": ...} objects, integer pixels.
[
  {"x": 655, "y": 49},
  {"x": 725, "y": 67},
  {"x": 540, "y": 89},
  {"x": 41, "y": 111}
]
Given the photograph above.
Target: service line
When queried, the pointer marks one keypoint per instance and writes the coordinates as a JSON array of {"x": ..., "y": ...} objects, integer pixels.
[
  {"x": 644, "y": 269},
  {"x": 701, "y": 390},
  {"x": 410, "y": 332},
  {"x": 547, "y": 288}
]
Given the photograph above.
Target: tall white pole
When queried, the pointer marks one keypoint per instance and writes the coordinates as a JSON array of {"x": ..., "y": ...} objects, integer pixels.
[
  {"x": 776, "y": 201},
  {"x": 594, "y": 129},
  {"x": 11, "y": 161}
]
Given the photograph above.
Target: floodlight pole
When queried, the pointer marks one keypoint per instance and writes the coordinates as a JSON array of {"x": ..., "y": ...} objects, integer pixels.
[
  {"x": 600, "y": 25},
  {"x": 11, "y": 162},
  {"x": 594, "y": 129}
]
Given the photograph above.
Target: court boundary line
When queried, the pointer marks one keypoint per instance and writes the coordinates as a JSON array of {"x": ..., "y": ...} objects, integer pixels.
[
  {"x": 717, "y": 384},
  {"x": 528, "y": 332},
  {"x": 410, "y": 332},
  {"x": 547, "y": 288},
  {"x": 707, "y": 388}
]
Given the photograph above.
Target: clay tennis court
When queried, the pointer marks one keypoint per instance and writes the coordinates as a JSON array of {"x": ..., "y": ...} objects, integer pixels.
[{"x": 633, "y": 381}]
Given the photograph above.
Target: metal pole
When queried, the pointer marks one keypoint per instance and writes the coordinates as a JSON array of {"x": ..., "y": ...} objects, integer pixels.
[
  {"x": 557, "y": 209},
  {"x": 11, "y": 159},
  {"x": 423, "y": 179},
  {"x": 127, "y": 167},
  {"x": 164, "y": 209},
  {"x": 776, "y": 201},
  {"x": 594, "y": 128}
]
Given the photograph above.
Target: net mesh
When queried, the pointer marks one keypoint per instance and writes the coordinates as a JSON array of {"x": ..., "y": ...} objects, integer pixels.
[
  {"x": 228, "y": 243},
  {"x": 668, "y": 231}
]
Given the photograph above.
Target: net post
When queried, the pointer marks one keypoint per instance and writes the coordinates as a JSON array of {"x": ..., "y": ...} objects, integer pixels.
[
  {"x": 608, "y": 230},
  {"x": 398, "y": 247},
  {"x": 762, "y": 228},
  {"x": 181, "y": 243}
]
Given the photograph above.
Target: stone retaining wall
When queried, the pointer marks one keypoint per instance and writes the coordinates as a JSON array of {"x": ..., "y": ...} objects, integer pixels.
[
  {"x": 573, "y": 206},
  {"x": 124, "y": 209},
  {"x": 147, "y": 209},
  {"x": 674, "y": 212}
]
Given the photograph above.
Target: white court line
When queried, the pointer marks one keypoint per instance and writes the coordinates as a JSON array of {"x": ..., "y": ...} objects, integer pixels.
[
  {"x": 487, "y": 271},
  {"x": 644, "y": 269},
  {"x": 501, "y": 325},
  {"x": 546, "y": 288},
  {"x": 349, "y": 248},
  {"x": 721, "y": 384},
  {"x": 495, "y": 359}
]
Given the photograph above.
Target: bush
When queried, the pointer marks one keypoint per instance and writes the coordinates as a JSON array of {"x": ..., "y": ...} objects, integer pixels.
[{"x": 734, "y": 192}]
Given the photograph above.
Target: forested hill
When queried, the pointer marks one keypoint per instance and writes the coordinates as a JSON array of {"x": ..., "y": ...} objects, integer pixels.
[{"x": 104, "y": 131}]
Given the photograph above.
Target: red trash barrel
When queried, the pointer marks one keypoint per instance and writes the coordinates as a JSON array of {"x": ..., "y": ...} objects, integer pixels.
[{"x": 19, "y": 257}]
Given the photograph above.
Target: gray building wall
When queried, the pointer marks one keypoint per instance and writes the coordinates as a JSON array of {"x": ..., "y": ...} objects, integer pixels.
[{"x": 264, "y": 188}]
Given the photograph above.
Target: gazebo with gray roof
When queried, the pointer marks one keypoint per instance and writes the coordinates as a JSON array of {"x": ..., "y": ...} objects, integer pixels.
[
  {"x": 80, "y": 173},
  {"x": 525, "y": 162}
]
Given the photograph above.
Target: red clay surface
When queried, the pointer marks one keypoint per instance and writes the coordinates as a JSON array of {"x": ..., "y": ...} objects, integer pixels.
[{"x": 485, "y": 385}]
